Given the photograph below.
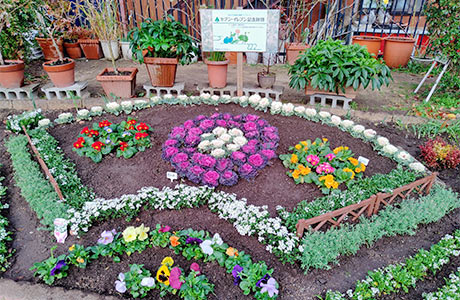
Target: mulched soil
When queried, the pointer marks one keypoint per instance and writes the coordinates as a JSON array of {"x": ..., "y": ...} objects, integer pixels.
[{"x": 114, "y": 177}]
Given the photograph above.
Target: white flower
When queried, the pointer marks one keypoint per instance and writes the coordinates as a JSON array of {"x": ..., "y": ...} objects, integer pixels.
[
  {"x": 390, "y": 149},
  {"x": 218, "y": 153},
  {"x": 148, "y": 282},
  {"x": 65, "y": 116},
  {"x": 347, "y": 123},
  {"x": 324, "y": 114},
  {"x": 205, "y": 95},
  {"x": 382, "y": 141},
  {"x": 96, "y": 109},
  {"x": 215, "y": 98},
  {"x": 140, "y": 102},
  {"x": 44, "y": 122},
  {"x": 219, "y": 131},
  {"x": 235, "y": 132},
  {"x": 264, "y": 102},
  {"x": 416, "y": 166},
  {"x": 310, "y": 112},
  {"x": 240, "y": 140},
  {"x": 83, "y": 112},
  {"x": 206, "y": 247},
  {"x": 182, "y": 97},
  {"x": 299, "y": 109},
  {"x": 203, "y": 145},
  {"x": 113, "y": 105},
  {"x": 168, "y": 96},
  {"x": 288, "y": 108},
  {"x": 217, "y": 239},
  {"x": 233, "y": 147},
  {"x": 217, "y": 143},
  {"x": 243, "y": 99},
  {"x": 254, "y": 99},
  {"x": 336, "y": 120},
  {"x": 403, "y": 155},
  {"x": 369, "y": 133},
  {"x": 276, "y": 105},
  {"x": 225, "y": 137},
  {"x": 358, "y": 128},
  {"x": 126, "y": 104}
]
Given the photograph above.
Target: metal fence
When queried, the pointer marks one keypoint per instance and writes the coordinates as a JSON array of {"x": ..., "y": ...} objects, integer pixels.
[{"x": 301, "y": 20}]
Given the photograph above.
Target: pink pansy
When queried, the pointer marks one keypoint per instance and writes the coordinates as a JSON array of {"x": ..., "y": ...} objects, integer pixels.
[
  {"x": 195, "y": 267},
  {"x": 174, "y": 278},
  {"x": 164, "y": 229}
]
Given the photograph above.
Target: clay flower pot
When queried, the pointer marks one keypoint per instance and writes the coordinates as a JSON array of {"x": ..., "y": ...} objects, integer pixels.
[
  {"x": 397, "y": 51},
  {"x": 293, "y": 51},
  {"x": 349, "y": 92},
  {"x": 12, "y": 74},
  {"x": 233, "y": 57},
  {"x": 217, "y": 73},
  {"x": 122, "y": 85},
  {"x": 162, "y": 71},
  {"x": 91, "y": 48},
  {"x": 61, "y": 75},
  {"x": 372, "y": 43},
  {"x": 73, "y": 50},
  {"x": 49, "y": 52},
  {"x": 266, "y": 81}
]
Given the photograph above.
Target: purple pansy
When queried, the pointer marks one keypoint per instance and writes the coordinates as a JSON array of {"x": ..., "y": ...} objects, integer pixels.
[
  {"x": 194, "y": 241},
  {"x": 264, "y": 280},
  {"x": 57, "y": 268},
  {"x": 237, "y": 269},
  {"x": 107, "y": 237}
]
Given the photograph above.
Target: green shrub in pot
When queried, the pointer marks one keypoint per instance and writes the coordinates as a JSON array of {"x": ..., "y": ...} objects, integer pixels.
[{"x": 332, "y": 67}]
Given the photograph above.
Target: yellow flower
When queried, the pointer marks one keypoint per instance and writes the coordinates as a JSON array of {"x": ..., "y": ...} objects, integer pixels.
[
  {"x": 298, "y": 146},
  {"x": 296, "y": 173},
  {"x": 71, "y": 248},
  {"x": 80, "y": 260},
  {"x": 325, "y": 139},
  {"x": 231, "y": 251},
  {"x": 168, "y": 261},
  {"x": 358, "y": 170},
  {"x": 337, "y": 150},
  {"x": 304, "y": 143},
  {"x": 353, "y": 161},
  {"x": 362, "y": 167},
  {"x": 350, "y": 171},
  {"x": 385, "y": 2},
  {"x": 304, "y": 170},
  {"x": 294, "y": 158},
  {"x": 130, "y": 234},
  {"x": 329, "y": 181},
  {"x": 142, "y": 232},
  {"x": 163, "y": 275}
]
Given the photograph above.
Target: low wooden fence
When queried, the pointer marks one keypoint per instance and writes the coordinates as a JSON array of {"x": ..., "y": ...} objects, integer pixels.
[{"x": 370, "y": 206}]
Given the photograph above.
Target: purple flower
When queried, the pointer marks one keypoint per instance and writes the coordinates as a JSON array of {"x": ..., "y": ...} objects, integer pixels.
[
  {"x": 252, "y": 134},
  {"x": 253, "y": 142},
  {"x": 221, "y": 123},
  {"x": 250, "y": 126},
  {"x": 170, "y": 151},
  {"x": 270, "y": 137},
  {"x": 262, "y": 123},
  {"x": 106, "y": 237},
  {"x": 228, "y": 178},
  {"x": 207, "y": 161},
  {"x": 195, "y": 131},
  {"x": 57, "y": 268},
  {"x": 257, "y": 161},
  {"x": 269, "y": 287},
  {"x": 237, "y": 118},
  {"x": 268, "y": 153},
  {"x": 247, "y": 171},
  {"x": 190, "y": 150},
  {"x": 224, "y": 164},
  {"x": 233, "y": 124},
  {"x": 199, "y": 118},
  {"x": 192, "y": 140},
  {"x": 270, "y": 129},
  {"x": 197, "y": 157},
  {"x": 264, "y": 279},
  {"x": 236, "y": 270},
  {"x": 179, "y": 157},
  {"x": 251, "y": 118},
  {"x": 182, "y": 168},
  {"x": 194, "y": 241},
  {"x": 211, "y": 178},
  {"x": 174, "y": 278},
  {"x": 238, "y": 157},
  {"x": 170, "y": 143},
  {"x": 164, "y": 229},
  {"x": 195, "y": 267},
  {"x": 188, "y": 124}
]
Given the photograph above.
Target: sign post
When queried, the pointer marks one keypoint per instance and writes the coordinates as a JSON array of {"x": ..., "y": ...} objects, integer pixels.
[{"x": 250, "y": 30}]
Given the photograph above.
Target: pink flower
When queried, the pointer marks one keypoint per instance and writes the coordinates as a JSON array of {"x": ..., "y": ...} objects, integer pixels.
[
  {"x": 170, "y": 151},
  {"x": 188, "y": 124},
  {"x": 174, "y": 278},
  {"x": 164, "y": 229},
  {"x": 250, "y": 118},
  {"x": 211, "y": 178},
  {"x": 178, "y": 132},
  {"x": 221, "y": 123},
  {"x": 207, "y": 161},
  {"x": 195, "y": 267},
  {"x": 250, "y": 126},
  {"x": 325, "y": 167},
  {"x": 256, "y": 160},
  {"x": 170, "y": 143},
  {"x": 195, "y": 131},
  {"x": 206, "y": 124},
  {"x": 197, "y": 170},
  {"x": 330, "y": 156},
  {"x": 180, "y": 157},
  {"x": 313, "y": 159},
  {"x": 269, "y": 154}
]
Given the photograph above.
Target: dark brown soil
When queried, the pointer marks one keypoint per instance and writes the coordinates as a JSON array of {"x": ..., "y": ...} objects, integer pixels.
[
  {"x": 124, "y": 73},
  {"x": 114, "y": 177},
  {"x": 60, "y": 62}
]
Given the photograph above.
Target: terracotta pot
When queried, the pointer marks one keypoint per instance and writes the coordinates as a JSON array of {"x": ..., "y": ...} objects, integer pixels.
[
  {"x": 91, "y": 48},
  {"x": 397, "y": 51},
  {"x": 372, "y": 43},
  {"x": 266, "y": 81},
  {"x": 12, "y": 74},
  {"x": 162, "y": 71},
  {"x": 73, "y": 50},
  {"x": 120, "y": 85},
  {"x": 293, "y": 51},
  {"x": 232, "y": 57},
  {"x": 49, "y": 52},
  {"x": 217, "y": 73},
  {"x": 61, "y": 75},
  {"x": 349, "y": 92}
]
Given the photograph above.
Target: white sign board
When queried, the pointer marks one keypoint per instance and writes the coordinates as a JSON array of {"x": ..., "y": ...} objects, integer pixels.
[
  {"x": 171, "y": 176},
  {"x": 363, "y": 160},
  {"x": 240, "y": 30}
]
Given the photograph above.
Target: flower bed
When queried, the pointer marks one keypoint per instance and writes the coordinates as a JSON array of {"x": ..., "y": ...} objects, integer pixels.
[
  {"x": 450, "y": 290},
  {"x": 126, "y": 138},
  {"x": 221, "y": 148},
  {"x": 5, "y": 234}
]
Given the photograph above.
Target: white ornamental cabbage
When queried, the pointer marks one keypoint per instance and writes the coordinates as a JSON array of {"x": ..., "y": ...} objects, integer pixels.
[
  {"x": 358, "y": 128},
  {"x": 203, "y": 145},
  {"x": 113, "y": 105},
  {"x": 217, "y": 143},
  {"x": 235, "y": 132},
  {"x": 205, "y": 95},
  {"x": 205, "y": 136},
  {"x": 243, "y": 99},
  {"x": 416, "y": 166},
  {"x": 219, "y": 130},
  {"x": 382, "y": 141},
  {"x": 310, "y": 112},
  {"x": 226, "y": 97},
  {"x": 65, "y": 116},
  {"x": 44, "y": 123},
  {"x": 299, "y": 109},
  {"x": 226, "y": 138},
  {"x": 369, "y": 133},
  {"x": 215, "y": 98},
  {"x": 155, "y": 99},
  {"x": 264, "y": 102},
  {"x": 182, "y": 97},
  {"x": 96, "y": 109},
  {"x": 390, "y": 149},
  {"x": 233, "y": 147},
  {"x": 141, "y": 102},
  {"x": 347, "y": 123},
  {"x": 324, "y": 114},
  {"x": 254, "y": 99},
  {"x": 240, "y": 140},
  {"x": 168, "y": 96},
  {"x": 276, "y": 106},
  {"x": 83, "y": 113},
  {"x": 288, "y": 108},
  {"x": 403, "y": 155},
  {"x": 126, "y": 104},
  {"x": 336, "y": 120},
  {"x": 218, "y": 153}
]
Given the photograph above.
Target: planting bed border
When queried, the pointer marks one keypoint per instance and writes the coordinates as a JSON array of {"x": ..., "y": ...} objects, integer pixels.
[{"x": 370, "y": 205}]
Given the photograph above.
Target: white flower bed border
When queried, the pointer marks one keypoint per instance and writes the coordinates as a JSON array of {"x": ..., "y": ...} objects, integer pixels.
[{"x": 247, "y": 219}]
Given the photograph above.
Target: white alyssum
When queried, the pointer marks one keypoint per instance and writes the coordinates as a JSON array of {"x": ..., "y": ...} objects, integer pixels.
[
  {"x": 390, "y": 149},
  {"x": 382, "y": 141},
  {"x": 44, "y": 122},
  {"x": 369, "y": 133},
  {"x": 336, "y": 120},
  {"x": 358, "y": 128},
  {"x": 347, "y": 123}
]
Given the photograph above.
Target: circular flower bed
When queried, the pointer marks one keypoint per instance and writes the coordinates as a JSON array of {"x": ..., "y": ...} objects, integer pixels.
[
  {"x": 221, "y": 148},
  {"x": 314, "y": 162}
]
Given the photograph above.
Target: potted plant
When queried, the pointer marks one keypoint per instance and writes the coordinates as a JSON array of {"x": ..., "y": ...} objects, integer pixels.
[
  {"x": 71, "y": 45},
  {"x": 372, "y": 43},
  {"x": 62, "y": 70},
  {"x": 102, "y": 16},
  {"x": 125, "y": 49},
  {"x": 397, "y": 51},
  {"x": 162, "y": 44},
  {"x": 332, "y": 68},
  {"x": 266, "y": 79},
  {"x": 217, "y": 69},
  {"x": 90, "y": 44},
  {"x": 11, "y": 70}
]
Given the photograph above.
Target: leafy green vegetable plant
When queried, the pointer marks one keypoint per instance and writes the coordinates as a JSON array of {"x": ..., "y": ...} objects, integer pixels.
[
  {"x": 165, "y": 38},
  {"x": 331, "y": 66}
]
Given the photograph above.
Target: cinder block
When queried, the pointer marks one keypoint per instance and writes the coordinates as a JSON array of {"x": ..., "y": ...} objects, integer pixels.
[
  {"x": 5, "y": 104},
  {"x": 68, "y": 92},
  {"x": 176, "y": 89},
  {"x": 248, "y": 90},
  {"x": 228, "y": 90},
  {"x": 333, "y": 100},
  {"x": 25, "y": 92}
]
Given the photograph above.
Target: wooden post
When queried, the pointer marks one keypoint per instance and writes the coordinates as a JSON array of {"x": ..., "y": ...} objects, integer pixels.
[
  {"x": 44, "y": 167},
  {"x": 124, "y": 23}
]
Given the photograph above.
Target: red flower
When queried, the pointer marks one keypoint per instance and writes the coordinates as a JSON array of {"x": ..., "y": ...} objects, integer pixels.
[
  {"x": 79, "y": 143},
  {"x": 140, "y": 135},
  {"x": 97, "y": 145},
  {"x": 85, "y": 130},
  {"x": 93, "y": 133},
  {"x": 132, "y": 122},
  {"x": 142, "y": 126},
  {"x": 131, "y": 127},
  {"x": 123, "y": 146},
  {"x": 104, "y": 123}
]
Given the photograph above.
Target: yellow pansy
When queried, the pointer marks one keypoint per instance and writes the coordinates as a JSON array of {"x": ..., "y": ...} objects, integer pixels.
[
  {"x": 80, "y": 260},
  {"x": 71, "y": 248},
  {"x": 167, "y": 261},
  {"x": 325, "y": 140},
  {"x": 163, "y": 275},
  {"x": 130, "y": 234},
  {"x": 142, "y": 232}
]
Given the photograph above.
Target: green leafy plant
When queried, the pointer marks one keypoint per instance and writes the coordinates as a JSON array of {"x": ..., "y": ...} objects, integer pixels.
[
  {"x": 448, "y": 291},
  {"x": 165, "y": 38},
  {"x": 217, "y": 56},
  {"x": 331, "y": 66},
  {"x": 133, "y": 281},
  {"x": 5, "y": 234},
  {"x": 28, "y": 119},
  {"x": 51, "y": 269}
]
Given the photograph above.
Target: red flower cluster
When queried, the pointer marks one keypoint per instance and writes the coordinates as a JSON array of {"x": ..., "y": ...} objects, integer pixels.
[
  {"x": 85, "y": 131},
  {"x": 79, "y": 143},
  {"x": 142, "y": 127},
  {"x": 97, "y": 145},
  {"x": 89, "y": 133},
  {"x": 132, "y": 122},
  {"x": 104, "y": 123},
  {"x": 123, "y": 146},
  {"x": 438, "y": 153},
  {"x": 141, "y": 135}
]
